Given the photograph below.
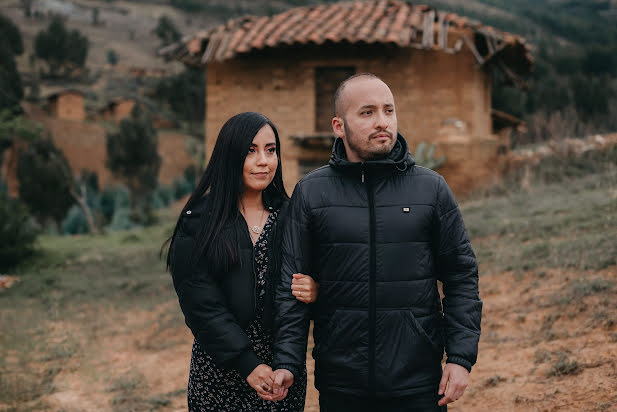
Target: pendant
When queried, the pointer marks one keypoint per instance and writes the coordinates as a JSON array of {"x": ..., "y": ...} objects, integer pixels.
[{"x": 256, "y": 229}]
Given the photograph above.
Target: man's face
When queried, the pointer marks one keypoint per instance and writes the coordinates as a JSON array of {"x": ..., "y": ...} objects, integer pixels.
[{"x": 368, "y": 126}]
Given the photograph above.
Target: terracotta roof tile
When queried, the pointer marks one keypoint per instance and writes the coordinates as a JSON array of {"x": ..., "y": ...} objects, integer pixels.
[{"x": 372, "y": 21}]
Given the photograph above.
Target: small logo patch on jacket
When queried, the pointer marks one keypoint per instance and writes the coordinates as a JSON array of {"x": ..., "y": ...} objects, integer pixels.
[{"x": 406, "y": 210}]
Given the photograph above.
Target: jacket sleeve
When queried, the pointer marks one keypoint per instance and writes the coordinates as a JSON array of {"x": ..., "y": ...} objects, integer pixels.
[
  {"x": 458, "y": 270},
  {"x": 206, "y": 312},
  {"x": 292, "y": 316}
]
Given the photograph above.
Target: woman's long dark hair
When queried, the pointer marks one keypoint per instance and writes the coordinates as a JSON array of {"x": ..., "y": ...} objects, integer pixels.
[{"x": 222, "y": 183}]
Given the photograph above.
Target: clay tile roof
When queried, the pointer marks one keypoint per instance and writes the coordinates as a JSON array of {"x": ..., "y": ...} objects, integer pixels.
[{"x": 394, "y": 22}]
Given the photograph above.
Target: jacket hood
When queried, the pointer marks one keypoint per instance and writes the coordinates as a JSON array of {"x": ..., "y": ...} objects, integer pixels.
[{"x": 399, "y": 157}]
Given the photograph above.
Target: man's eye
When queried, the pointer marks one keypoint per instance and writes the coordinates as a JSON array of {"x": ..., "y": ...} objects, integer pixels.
[{"x": 367, "y": 112}]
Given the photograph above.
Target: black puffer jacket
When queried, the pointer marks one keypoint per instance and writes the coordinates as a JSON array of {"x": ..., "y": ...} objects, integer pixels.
[
  {"x": 218, "y": 307},
  {"x": 377, "y": 236}
]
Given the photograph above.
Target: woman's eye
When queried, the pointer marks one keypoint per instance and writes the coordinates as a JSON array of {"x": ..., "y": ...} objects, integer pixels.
[
  {"x": 272, "y": 150},
  {"x": 252, "y": 150}
]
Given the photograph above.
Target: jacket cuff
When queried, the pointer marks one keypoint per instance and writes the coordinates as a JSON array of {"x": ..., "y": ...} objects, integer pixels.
[
  {"x": 246, "y": 363},
  {"x": 460, "y": 361},
  {"x": 291, "y": 368}
]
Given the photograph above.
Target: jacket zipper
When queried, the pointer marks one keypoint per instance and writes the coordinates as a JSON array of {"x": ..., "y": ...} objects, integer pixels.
[{"x": 372, "y": 314}]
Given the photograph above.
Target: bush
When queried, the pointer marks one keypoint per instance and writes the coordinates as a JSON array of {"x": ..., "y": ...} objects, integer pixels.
[
  {"x": 17, "y": 233},
  {"x": 424, "y": 155},
  {"x": 121, "y": 220},
  {"x": 75, "y": 222},
  {"x": 162, "y": 197},
  {"x": 112, "y": 199},
  {"x": 181, "y": 187}
]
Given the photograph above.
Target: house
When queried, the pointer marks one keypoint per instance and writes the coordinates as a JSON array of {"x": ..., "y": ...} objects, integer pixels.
[
  {"x": 67, "y": 105},
  {"x": 439, "y": 66},
  {"x": 117, "y": 109}
]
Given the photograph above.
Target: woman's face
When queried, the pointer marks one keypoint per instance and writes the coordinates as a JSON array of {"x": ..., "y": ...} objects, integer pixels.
[{"x": 261, "y": 161}]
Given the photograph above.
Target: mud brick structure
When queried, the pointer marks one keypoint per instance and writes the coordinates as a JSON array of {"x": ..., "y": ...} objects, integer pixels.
[
  {"x": 67, "y": 105},
  {"x": 287, "y": 66}
]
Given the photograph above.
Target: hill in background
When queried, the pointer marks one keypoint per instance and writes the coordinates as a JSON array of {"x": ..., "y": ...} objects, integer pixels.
[{"x": 573, "y": 90}]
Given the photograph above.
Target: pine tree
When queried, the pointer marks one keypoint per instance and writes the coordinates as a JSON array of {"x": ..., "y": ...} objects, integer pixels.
[{"x": 133, "y": 156}]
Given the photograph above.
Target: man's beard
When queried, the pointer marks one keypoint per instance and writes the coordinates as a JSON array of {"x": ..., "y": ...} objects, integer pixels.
[{"x": 381, "y": 153}]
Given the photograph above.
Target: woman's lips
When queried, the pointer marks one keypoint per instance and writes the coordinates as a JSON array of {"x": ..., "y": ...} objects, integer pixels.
[{"x": 261, "y": 174}]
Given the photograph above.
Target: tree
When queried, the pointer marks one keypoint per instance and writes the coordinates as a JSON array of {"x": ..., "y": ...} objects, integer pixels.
[
  {"x": 43, "y": 185},
  {"x": 112, "y": 57},
  {"x": 26, "y": 5},
  {"x": 11, "y": 89},
  {"x": 60, "y": 48},
  {"x": 185, "y": 94},
  {"x": 166, "y": 31},
  {"x": 14, "y": 128},
  {"x": 17, "y": 235},
  {"x": 133, "y": 156}
]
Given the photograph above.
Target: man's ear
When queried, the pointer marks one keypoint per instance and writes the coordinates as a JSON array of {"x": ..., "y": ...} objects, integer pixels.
[{"x": 338, "y": 126}]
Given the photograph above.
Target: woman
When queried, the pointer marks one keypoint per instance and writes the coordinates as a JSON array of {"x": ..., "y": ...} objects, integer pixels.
[{"x": 224, "y": 261}]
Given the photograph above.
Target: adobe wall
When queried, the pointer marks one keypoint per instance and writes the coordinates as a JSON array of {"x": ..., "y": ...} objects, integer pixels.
[
  {"x": 69, "y": 106},
  {"x": 428, "y": 86},
  {"x": 84, "y": 146}
]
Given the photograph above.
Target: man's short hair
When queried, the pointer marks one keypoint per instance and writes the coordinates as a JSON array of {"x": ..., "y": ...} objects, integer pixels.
[{"x": 338, "y": 110}]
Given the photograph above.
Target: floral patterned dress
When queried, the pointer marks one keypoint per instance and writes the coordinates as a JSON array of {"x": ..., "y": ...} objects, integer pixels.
[{"x": 212, "y": 388}]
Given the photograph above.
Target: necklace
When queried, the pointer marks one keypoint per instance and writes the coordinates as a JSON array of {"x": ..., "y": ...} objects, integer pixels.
[{"x": 255, "y": 228}]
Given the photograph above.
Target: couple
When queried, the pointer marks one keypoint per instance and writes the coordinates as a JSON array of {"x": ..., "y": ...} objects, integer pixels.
[{"x": 363, "y": 240}]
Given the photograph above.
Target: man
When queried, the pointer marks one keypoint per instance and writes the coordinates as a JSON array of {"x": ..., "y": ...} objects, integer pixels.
[{"x": 377, "y": 232}]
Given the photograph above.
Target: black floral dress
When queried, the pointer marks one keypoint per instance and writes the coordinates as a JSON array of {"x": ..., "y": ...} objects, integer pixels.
[{"x": 212, "y": 388}]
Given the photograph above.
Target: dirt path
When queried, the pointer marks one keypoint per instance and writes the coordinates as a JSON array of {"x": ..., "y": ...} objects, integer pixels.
[{"x": 548, "y": 343}]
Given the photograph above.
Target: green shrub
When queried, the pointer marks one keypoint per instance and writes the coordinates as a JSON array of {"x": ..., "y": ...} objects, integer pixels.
[
  {"x": 424, "y": 155},
  {"x": 182, "y": 187},
  {"x": 121, "y": 220},
  {"x": 17, "y": 232},
  {"x": 112, "y": 199},
  {"x": 75, "y": 222},
  {"x": 162, "y": 197}
]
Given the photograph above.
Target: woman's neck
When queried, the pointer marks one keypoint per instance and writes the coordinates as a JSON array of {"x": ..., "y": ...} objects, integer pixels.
[{"x": 252, "y": 200}]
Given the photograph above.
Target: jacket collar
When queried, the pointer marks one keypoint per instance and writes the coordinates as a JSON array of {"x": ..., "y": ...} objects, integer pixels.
[{"x": 399, "y": 158}]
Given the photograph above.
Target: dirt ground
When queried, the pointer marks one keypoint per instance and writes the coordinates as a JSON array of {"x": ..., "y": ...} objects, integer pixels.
[{"x": 548, "y": 344}]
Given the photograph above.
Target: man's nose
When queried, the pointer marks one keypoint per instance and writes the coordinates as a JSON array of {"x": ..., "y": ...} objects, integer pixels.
[{"x": 380, "y": 121}]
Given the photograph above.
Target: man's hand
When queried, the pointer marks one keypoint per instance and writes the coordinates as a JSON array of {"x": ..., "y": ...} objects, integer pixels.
[
  {"x": 453, "y": 383},
  {"x": 283, "y": 379},
  {"x": 304, "y": 288},
  {"x": 262, "y": 380}
]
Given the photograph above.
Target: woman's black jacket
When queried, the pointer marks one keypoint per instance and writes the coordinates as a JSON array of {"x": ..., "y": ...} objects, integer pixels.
[{"x": 218, "y": 307}]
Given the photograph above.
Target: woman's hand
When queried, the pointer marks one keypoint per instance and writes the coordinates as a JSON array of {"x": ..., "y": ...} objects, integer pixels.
[
  {"x": 304, "y": 288},
  {"x": 262, "y": 380}
]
